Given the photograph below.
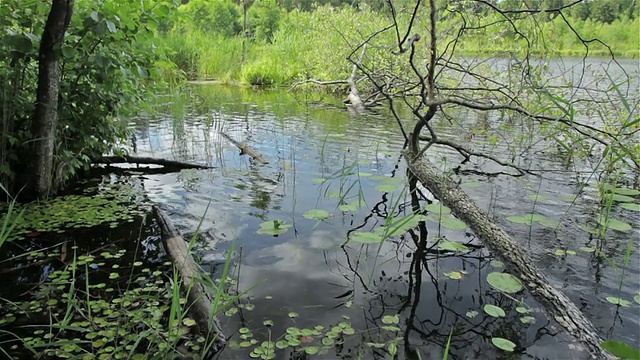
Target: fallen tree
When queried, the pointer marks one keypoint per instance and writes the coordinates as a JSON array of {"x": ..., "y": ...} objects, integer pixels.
[
  {"x": 354, "y": 100},
  {"x": 170, "y": 164},
  {"x": 246, "y": 149},
  {"x": 441, "y": 84},
  {"x": 200, "y": 307},
  {"x": 557, "y": 304}
]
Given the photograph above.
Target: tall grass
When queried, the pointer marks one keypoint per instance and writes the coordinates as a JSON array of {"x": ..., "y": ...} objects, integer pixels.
[
  {"x": 316, "y": 44},
  {"x": 306, "y": 45},
  {"x": 205, "y": 55}
]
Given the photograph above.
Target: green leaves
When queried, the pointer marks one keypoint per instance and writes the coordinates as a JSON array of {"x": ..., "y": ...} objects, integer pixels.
[
  {"x": 620, "y": 349},
  {"x": 442, "y": 215},
  {"x": 614, "y": 224},
  {"x": 530, "y": 219},
  {"x": 108, "y": 206},
  {"x": 317, "y": 214},
  {"x": 366, "y": 237},
  {"x": 493, "y": 311},
  {"x": 504, "y": 282},
  {"x": 274, "y": 227},
  {"x": 503, "y": 344}
]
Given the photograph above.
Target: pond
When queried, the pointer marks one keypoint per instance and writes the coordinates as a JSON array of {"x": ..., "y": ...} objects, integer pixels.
[
  {"x": 322, "y": 158},
  {"x": 332, "y": 177}
]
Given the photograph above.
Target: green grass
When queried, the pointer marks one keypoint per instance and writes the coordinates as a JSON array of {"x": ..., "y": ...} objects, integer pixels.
[{"x": 316, "y": 44}]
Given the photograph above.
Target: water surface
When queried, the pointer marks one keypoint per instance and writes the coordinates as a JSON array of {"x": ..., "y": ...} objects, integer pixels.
[{"x": 314, "y": 271}]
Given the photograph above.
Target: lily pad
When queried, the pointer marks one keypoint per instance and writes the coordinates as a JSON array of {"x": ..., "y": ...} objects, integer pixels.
[
  {"x": 630, "y": 206},
  {"x": 503, "y": 344},
  {"x": 527, "y": 320},
  {"x": 537, "y": 197},
  {"x": 619, "y": 197},
  {"x": 589, "y": 229},
  {"x": 400, "y": 225},
  {"x": 390, "y": 319},
  {"x": 471, "y": 314},
  {"x": 317, "y": 214},
  {"x": 387, "y": 180},
  {"x": 387, "y": 187},
  {"x": 528, "y": 219},
  {"x": 366, "y": 237},
  {"x": 455, "y": 275},
  {"x": 587, "y": 249},
  {"x": 350, "y": 207},
  {"x": 626, "y": 191},
  {"x": 504, "y": 282},
  {"x": 451, "y": 246},
  {"x": 448, "y": 221},
  {"x": 614, "y": 224},
  {"x": 437, "y": 209},
  {"x": 275, "y": 227},
  {"x": 618, "y": 301},
  {"x": 494, "y": 311}
]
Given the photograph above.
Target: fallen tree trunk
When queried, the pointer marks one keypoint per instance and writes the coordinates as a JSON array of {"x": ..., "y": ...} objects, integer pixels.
[
  {"x": 201, "y": 306},
  {"x": 354, "y": 95},
  {"x": 557, "y": 304},
  {"x": 148, "y": 161},
  {"x": 246, "y": 149}
]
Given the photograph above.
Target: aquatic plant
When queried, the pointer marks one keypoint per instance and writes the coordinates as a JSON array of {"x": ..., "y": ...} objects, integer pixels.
[{"x": 112, "y": 205}]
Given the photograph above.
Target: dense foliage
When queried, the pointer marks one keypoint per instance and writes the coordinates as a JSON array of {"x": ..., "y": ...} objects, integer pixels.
[
  {"x": 106, "y": 61},
  {"x": 114, "y": 50},
  {"x": 287, "y": 42}
]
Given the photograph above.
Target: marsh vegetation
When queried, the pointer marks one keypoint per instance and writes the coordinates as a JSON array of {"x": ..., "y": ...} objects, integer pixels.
[{"x": 348, "y": 232}]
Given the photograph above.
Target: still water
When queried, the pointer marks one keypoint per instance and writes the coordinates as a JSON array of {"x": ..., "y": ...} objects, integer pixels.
[{"x": 320, "y": 157}]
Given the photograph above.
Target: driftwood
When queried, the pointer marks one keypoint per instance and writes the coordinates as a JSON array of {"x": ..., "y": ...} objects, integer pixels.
[
  {"x": 354, "y": 96},
  {"x": 148, "y": 161},
  {"x": 246, "y": 149},
  {"x": 199, "y": 299},
  {"x": 558, "y": 305},
  {"x": 354, "y": 100}
]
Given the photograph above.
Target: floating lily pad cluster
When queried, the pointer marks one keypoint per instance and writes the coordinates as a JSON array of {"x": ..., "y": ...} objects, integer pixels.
[
  {"x": 530, "y": 219},
  {"x": 317, "y": 340},
  {"x": 111, "y": 206},
  {"x": 105, "y": 322},
  {"x": 312, "y": 341},
  {"x": 507, "y": 284},
  {"x": 626, "y": 197}
]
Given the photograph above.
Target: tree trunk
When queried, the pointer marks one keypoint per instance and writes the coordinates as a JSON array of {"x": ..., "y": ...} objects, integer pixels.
[
  {"x": 46, "y": 109},
  {"x": 557, "y": 304}
]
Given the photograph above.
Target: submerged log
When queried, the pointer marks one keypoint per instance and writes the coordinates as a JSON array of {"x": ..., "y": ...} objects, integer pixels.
[
  {"x": 147, "y": 161},
  {"x": 557, "y": 304},
  {"x": 200, "y": 301},
  {"x": 245, "y": 149}
]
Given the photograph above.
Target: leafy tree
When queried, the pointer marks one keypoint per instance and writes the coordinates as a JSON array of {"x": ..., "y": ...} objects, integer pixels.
[
  {"x": 264, "y": 19},
  {"x": 106, "y": 61},
  {"x": 581, "y": 11},
  {"x": 605, "y": 11},
  {"x": 216, "y": 16}
]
